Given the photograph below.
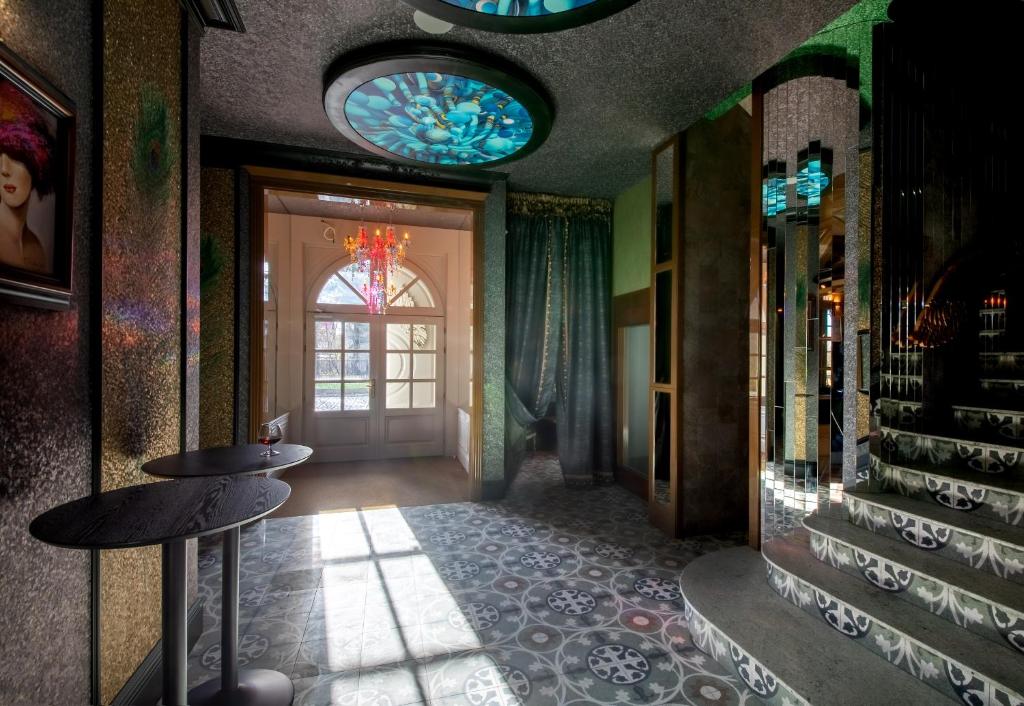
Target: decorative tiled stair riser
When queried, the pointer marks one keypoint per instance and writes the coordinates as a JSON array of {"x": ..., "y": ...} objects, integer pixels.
[
  {"x": 906, "y": 362},
  {"x": 901, "y": 413},
  {"x": 1002, "y": 363},
  {"x": 1002, "y": 386},
  {"x": 912, "y": 447},
  {"x": 970, "y": 611},
  {"x": 977, "y": 551},
  {"x": 921, "y": 661},
  {"x": 992, "y": 503},
  {"x": 902, "y": 386},
  {"x": 1003, "y": 423},
  {"x": 714, "y": 643}
]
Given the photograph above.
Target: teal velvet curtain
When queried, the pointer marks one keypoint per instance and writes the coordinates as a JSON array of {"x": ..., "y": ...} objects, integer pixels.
[{"x": 558, "y": 339}]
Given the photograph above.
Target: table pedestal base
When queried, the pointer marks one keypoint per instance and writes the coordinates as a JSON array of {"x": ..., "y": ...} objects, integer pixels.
[{"x": 256, "y": 687}]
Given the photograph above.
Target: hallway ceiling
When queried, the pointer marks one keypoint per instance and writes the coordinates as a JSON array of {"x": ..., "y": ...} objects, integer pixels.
[
  {"x": 313, "y": 205},
  {"x": 620, "y": 86}
]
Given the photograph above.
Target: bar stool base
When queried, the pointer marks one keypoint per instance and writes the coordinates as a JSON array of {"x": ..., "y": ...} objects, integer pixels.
[{"x": 256, "y": 687}]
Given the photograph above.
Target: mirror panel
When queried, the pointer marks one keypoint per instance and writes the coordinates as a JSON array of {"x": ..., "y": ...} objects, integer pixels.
[{"x": 664, "y": 200}]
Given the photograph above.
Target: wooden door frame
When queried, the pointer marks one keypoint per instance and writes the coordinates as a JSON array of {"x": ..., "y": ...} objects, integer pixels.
[
  {"x": 756, "y": 451},
  {"x": 667, "y": 517},
  {"x": 630, "y": 309},
  {"x": 263, "y": 178}
]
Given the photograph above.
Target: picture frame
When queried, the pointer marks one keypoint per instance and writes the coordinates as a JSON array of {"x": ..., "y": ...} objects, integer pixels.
[{"x": 37, "y": 168}]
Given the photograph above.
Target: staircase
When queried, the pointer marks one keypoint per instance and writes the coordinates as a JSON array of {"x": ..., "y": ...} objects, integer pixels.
[{"x": 911, "y": 589}]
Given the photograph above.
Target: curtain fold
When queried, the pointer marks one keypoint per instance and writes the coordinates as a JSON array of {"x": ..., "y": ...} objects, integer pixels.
[{"x": 558, "y": 340}]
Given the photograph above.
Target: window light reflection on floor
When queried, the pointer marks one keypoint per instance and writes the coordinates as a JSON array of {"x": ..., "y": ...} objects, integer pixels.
[{"x": 412, "y": 628}]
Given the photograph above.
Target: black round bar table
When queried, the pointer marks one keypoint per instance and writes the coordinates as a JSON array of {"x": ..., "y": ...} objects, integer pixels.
[
  {"x": 166, "y": 514},
  {"x": 248, "y": 687}
]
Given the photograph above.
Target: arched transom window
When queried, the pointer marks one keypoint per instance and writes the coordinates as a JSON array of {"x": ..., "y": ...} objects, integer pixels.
[{"x": 345, "y": 288}]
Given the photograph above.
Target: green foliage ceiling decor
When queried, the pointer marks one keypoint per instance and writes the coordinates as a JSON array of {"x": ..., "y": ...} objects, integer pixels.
[{"x": 850, "y": 33}]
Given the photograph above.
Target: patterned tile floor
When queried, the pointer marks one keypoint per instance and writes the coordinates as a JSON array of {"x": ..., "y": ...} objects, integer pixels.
[{"x": 552, "y": 596}]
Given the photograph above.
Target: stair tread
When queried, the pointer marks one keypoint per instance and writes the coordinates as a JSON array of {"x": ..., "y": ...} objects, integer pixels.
[
  {"x": 964, "y": 521},
  {"x": 1010, "y": 481},
  {"x": 957, "y": 436},
  {"x": 987, "y": 586},
  {"x": 996, "y": 662},
  {"x": 729, "y": 589}
]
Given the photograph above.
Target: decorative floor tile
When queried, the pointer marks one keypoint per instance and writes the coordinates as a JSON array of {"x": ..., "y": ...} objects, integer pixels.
[{"x": 552, "y": 596}]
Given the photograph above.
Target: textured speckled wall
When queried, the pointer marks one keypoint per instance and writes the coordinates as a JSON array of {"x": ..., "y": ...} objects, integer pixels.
[
  {"x": 217, "y": 372},
  {"x": 493, "y": 457},
  {"x": 631, "y": 231},
  {"x": 141, "y": 307},
  {"x": 45, "y": 423}
]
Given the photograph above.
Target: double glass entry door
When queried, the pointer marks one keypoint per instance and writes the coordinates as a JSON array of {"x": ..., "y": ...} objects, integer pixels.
[{"x": 375, "y": 386}]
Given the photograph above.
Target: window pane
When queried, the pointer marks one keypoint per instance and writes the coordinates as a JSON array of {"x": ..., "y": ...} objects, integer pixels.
[
  {"x": 423, "y": 366},
  {"x": 423, "y": 394},
  {"x": 398, "y": 366},
  {"x": 416, "y": 295},
  {"x": 424, "y": 337},
  {"x": 357, "y": 366},
  {"x": 327, "y": 397},
  {"x": 398, "y": 395},
  {"x": 328, "y": 334},
  {"x": 353, "y": 276},
  {"x": 337, "y": 292},
  {"x": 357, "y": 395},
  {"x": 328, "y": 366},
  {"x": 402, "y": 278},
  {"x": 398, "y": 337},
  {"x": 357, "y": 336}
]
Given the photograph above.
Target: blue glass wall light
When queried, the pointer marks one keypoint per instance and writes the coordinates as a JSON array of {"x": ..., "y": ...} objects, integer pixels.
[{"x": 437, "y": 110}]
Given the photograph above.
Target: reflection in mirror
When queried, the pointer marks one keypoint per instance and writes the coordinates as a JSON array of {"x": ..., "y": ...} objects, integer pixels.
[
  {"x": 811, "y": 142},
  {"x": 662, "y": 447},
  {"x": 663, "y": 328},
  {"x": 664, "y": 200},
  {"x": 636, "y": 364}
]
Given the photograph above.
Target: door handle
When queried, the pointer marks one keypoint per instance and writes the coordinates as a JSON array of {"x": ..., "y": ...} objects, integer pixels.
[{"x": 373, "y": 389}]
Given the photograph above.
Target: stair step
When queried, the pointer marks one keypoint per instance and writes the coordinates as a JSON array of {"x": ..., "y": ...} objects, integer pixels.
[
  {"x": 900, "y": 446},
  {"x": 780, "y": 652},
  {"x": 989, "y": 424},
  {"x": 996, "y": 496},
  {"x": 982, "y": 603},
  {"x": 948, "y": 658},
  {"x": 994, "y": 363},
  {"x": 970, "y": 539}
]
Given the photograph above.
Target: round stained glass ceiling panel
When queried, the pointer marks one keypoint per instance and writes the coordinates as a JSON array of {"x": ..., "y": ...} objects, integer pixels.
[
  {"x": 439, "y": 118},
  {"x": 521, "y": 15},
  {"x": 437, "y": 110}
]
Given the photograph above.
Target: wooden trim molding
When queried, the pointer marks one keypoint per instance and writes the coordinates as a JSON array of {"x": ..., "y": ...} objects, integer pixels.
[{"x": 755, "y": 451}]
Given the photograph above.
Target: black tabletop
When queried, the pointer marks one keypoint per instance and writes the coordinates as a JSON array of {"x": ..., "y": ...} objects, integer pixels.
[
  {"x": 156, "y": 513},
  {"x": 226, "y": 461}
]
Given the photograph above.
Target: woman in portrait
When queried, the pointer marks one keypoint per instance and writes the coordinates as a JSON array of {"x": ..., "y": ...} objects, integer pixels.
[{"x": 26, "y": 148}]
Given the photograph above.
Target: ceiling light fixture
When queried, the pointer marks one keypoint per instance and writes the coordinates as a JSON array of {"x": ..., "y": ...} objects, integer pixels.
[
  {"x": 439, "y": 106},
  {"x": 430, "y": 24},
  {"x": 521, "y": 16}
]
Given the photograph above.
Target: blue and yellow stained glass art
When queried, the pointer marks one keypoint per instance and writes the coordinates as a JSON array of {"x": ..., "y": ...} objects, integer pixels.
[
  {"x": 773, "y": 196},
  {"x": 520, "y": 8},
  {"x": 439, "y": 118},
  {"x": 811, "y": 181}
]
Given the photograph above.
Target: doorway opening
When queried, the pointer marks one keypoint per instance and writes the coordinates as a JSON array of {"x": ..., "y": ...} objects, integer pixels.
[{"x": 355, "y": 380}]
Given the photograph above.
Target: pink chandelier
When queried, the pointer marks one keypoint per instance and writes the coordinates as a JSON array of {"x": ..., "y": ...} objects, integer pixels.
[{"x": 378, "y": 258}]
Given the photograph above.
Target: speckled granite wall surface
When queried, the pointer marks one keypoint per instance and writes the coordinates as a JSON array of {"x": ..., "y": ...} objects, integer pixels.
[
  {"x": 216, "y": 374},
  {"x": 493, "y": 461},
  {"x": 191, "y": 243},
  {"x": 141, "y": 307},
  {"x": 45, "y": 422}
]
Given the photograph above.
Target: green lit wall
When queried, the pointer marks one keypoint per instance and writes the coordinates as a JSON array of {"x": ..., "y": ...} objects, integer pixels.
[{"x": 631, "y": 233}]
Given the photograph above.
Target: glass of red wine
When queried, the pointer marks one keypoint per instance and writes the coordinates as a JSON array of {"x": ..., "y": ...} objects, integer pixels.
[{"x": 270, "y": 434}]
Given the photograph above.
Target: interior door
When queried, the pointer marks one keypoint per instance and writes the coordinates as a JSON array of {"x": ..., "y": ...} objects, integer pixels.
[
  {"x": 377, "y": 386},
  {"x": 342, "y": 417},
  {"x": 411, "y": 421}
]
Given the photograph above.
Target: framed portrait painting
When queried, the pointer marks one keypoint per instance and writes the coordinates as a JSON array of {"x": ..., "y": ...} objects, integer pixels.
[{"x": 37, "y": 155}]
